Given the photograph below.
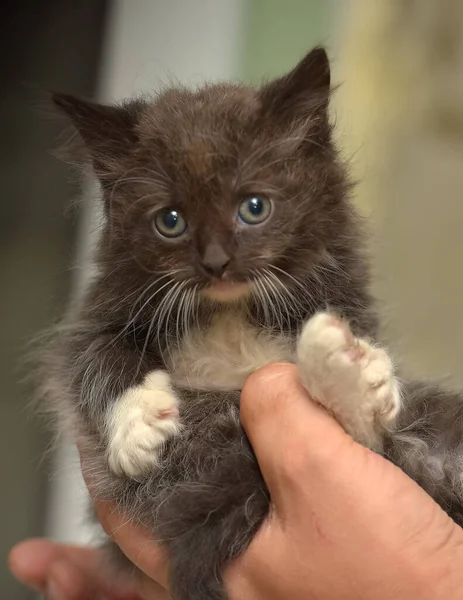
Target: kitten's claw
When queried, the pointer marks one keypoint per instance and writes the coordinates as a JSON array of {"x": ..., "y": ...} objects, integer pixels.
[
  {"x": 351, "y": 378},
  {"x": 141, "y": 421}
]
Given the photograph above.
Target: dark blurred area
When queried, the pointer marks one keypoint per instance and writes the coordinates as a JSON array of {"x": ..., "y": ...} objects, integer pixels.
[{"x": 50, "y": 44}]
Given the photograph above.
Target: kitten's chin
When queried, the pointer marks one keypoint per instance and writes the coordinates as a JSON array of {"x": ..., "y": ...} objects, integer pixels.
[{"x": 226, "y": 291}]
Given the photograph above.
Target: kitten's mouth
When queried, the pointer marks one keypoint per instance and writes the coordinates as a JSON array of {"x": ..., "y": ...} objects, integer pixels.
[{"x": 226, "y": 291}]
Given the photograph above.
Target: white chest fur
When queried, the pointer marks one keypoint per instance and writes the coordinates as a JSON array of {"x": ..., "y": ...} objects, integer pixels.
[
  {"x": 352, "y": 379},
  {"x": 222, "y": 357}
]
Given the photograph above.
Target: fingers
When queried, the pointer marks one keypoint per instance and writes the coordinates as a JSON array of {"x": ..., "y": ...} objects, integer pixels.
[
  {"x": 65, "y": 572},
  {"x": 31, "y": 561},
  {"x": 292, "y": 437},
  {"x": 68, "y": 581},
  {"x": 137, "y": 543}
]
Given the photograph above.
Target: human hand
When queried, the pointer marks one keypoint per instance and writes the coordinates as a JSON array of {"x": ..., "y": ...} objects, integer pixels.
[
  {"x": 345, "y": 523},
  {"x": 64, "y": 572}
]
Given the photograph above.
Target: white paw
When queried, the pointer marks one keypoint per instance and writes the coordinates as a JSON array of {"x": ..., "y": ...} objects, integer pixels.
[
  {"x": 139, "y": 424},
  {"x": 351, "y": 378}
]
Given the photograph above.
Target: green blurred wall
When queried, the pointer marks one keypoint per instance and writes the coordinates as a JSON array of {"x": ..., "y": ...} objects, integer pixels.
[{"x": 279, "y": 32}]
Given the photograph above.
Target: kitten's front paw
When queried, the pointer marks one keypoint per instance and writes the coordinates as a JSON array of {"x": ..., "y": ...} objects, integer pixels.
[
  {"x": 141, "y": 421},
  {"x": 353, "y": 379}
]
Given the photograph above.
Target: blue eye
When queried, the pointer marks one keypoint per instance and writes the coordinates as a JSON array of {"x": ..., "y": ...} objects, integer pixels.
[
  {"x": 170, "y": 223},
  {"x": 254, "y": 210}
]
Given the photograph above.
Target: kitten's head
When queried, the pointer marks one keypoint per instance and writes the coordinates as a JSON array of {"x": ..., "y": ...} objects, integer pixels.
[{"x": 226, "y": 189}]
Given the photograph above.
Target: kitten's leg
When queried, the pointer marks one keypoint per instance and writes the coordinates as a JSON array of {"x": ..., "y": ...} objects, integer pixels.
[
  {"x": 351, "y": 378},
  {"x": 139, "y": 423},
  {"x": 427, "y": 442}
]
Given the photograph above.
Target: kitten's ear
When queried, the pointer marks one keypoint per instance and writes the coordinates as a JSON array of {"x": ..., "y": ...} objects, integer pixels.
[
  {"x": 108, "y": 133},
  {"x": 303, "y": 92}
]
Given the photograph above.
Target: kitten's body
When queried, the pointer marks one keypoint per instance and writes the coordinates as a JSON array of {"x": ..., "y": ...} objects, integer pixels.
[{"x": 148, "y": 373}]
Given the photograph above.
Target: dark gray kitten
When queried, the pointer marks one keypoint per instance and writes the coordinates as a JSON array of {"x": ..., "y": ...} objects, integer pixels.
[{"x": 229, "y": 235}]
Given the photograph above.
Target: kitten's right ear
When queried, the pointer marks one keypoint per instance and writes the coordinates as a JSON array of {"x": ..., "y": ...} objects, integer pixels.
[
  {"x": 303, "y": 92},
  {"x": 108, "y": 133}
]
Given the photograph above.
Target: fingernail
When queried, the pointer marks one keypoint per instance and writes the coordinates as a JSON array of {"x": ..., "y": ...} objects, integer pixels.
[{"x": 53, "y": 592}]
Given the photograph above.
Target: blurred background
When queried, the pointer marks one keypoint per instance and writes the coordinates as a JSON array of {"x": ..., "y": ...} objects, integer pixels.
[{"x": 399, "y": 116}]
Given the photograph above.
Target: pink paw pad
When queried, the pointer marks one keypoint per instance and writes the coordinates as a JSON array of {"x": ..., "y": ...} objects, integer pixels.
[
  {"x": 355, "y": 352},
  {"x": 168, "y": 413}
]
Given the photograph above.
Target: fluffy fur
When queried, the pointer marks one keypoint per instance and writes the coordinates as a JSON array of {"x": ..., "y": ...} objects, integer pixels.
[{"x": 147, "y": 373}]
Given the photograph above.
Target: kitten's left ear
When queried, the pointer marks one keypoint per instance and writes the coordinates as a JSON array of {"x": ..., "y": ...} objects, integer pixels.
[
  {"x": 303, "y": 92},
  {"x": 107, "y": 132}
]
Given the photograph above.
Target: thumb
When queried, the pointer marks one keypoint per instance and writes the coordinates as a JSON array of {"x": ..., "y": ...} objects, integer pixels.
[
  {"x": 307, "y": 460},
  {"x": 293, "y": 438}
]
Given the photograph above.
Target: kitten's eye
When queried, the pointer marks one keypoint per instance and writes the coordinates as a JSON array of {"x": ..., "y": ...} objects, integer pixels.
[
  {"x": 169, "y": 223},
  {"x": 254, "y": 210}
]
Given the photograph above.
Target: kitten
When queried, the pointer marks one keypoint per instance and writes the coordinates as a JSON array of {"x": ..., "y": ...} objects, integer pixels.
[{"x": 229, "y": 243}]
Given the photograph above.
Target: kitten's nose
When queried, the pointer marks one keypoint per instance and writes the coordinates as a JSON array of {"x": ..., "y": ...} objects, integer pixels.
[{"x": 215, "y": 260}]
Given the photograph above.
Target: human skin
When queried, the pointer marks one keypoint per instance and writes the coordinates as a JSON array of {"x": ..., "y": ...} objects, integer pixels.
[{"x": 344, "y": 522}]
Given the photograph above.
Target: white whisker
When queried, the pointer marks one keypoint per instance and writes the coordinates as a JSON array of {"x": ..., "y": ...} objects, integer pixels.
[
  {"x": 300, "y": 285},
  {"x": 173, "y": 303},
  {"x": 132, "y": 320},
  {"x": 294, "y": 301},
  {"x": 258, "y": 287},
  {"x": 273, "y": 290},
  {"x": 161, "y": 311}
]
